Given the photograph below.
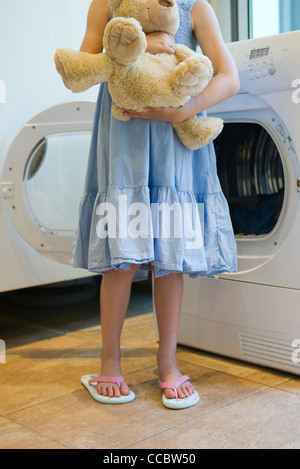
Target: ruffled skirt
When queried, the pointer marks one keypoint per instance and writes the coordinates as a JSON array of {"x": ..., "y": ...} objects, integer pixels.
[{"x": 148, "y": 200}]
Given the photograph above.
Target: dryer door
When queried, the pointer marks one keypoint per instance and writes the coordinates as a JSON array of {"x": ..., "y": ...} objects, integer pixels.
[
  {"x": 43, "y": 177},
  {"x": 258, "y": 167}
]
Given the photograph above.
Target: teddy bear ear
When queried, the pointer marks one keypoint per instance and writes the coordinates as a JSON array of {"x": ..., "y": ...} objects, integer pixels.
[{"x": 114, "y": 4}]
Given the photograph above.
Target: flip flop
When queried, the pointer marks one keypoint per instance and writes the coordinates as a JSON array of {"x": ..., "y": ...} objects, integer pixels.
[
  {"x": 177, "y": 403},
  {"x": 90, "y": 382}
]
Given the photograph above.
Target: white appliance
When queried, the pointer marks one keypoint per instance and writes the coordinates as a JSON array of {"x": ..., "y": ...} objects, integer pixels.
[
  {"x": 254, "y": 315},
  {"x": 44, "y": 142}
]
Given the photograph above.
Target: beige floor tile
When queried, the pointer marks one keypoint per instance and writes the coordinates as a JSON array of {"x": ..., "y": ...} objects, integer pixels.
[
  {"x": 47, "y": 369},
  {"x": 141, "y": 326},
  {"x": 14, "y": 436},
  {"x": 251, "y": 372},
  {"x": 94, "y": 425},
  {"x": 267, "y": 420},
  {"x": 138, "y": 330},
  {"x": 293, "y": 385},
  {"x": 36, "y": 372},
  {"x": 45, "y": 406},
  {"x": 25, "y": 332}
]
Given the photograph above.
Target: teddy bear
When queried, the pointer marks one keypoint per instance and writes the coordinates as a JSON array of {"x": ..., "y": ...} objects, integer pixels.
[{"x": 138, "y": 79}]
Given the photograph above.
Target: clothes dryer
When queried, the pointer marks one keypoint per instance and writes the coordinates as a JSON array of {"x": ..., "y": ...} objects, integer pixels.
[
  {"x": 41, "y": 185},
  {"x": 45, "y": 132},
  {"x": 254, "y": 314}
]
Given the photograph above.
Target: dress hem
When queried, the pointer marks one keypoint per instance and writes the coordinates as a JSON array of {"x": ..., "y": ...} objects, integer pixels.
[{"x": 161, "y": 270}]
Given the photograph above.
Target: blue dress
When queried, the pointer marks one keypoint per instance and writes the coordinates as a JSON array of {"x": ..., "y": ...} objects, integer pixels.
[{"x": 149, "y": 200}]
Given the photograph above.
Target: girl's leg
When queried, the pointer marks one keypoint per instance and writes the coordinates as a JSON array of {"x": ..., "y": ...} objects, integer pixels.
[
  {"x": 168, "y": 293},
  {"x": 114, "y": 299}
]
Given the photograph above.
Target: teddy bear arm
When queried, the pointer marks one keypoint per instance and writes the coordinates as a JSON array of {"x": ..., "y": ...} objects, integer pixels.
[{"x": 81, "y": 70}]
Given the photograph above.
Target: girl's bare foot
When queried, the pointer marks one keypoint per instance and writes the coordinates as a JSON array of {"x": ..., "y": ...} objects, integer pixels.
[
  {"x": 111, "y": 368},
  {"x": 169, "y": 372}
]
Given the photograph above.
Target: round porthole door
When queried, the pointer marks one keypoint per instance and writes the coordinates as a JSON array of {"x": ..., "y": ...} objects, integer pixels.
[
  {"x": 252, "y": 175},
  {"x": 43, "y": 177}
]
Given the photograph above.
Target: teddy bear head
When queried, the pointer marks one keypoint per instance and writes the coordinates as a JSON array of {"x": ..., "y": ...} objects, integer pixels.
[{"x": 153, "y": 15}]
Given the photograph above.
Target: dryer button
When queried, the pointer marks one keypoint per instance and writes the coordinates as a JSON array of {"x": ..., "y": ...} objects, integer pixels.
[
  {"x": 251, "y": 76},
  {"x": 258, "y": 74},
  {"x": 265, "y": 73},
  {"x": 272, "y": 71}
]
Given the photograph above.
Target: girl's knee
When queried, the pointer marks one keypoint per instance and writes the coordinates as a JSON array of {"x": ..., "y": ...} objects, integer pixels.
[{"x": 121, "y": 273}]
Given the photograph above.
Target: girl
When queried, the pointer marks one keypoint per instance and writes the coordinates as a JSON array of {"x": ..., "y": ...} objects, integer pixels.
[{"x": 143, "y": 161}]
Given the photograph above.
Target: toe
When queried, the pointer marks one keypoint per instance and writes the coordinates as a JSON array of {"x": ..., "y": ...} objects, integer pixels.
[
  {"x": 124, "y": 389},
  {"x": 115, "y": 391},
  {"x": 170, "y": 394},
  {"x": 191, "y": 389},
  {"x": 181, "y": 392},
  {"x": 188, "y": 389}
]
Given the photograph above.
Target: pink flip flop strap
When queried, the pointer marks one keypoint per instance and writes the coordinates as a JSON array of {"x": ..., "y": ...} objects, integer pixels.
[
  {"x": 175, "y": 385},
  {"x": 107, "y": 379}
]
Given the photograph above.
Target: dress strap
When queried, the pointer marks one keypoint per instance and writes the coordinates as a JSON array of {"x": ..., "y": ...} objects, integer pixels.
[
  {"x": 184, "y": 34},
  {"x": 186, "y": 4}
]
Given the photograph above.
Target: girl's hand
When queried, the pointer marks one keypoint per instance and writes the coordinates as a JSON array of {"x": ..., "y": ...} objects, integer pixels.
[
  {"x": 158, "y": 43},
  {"x": 169, "y": 114}
]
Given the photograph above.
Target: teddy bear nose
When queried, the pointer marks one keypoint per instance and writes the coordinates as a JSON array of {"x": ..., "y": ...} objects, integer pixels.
[{"x": 166, "y": 3}]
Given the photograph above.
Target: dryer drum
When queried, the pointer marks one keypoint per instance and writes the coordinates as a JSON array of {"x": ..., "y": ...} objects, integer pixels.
[
  {"x": 252, "y": 177},
  {"x": 38, "y": 158}
]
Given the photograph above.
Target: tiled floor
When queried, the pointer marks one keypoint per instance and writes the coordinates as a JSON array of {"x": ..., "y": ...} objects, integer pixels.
[{"x": 43, "y": 404}]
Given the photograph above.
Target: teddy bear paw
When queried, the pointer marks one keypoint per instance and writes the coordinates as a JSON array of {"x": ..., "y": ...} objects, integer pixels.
[
  {"x": 126, "y": 41},
  {"x": 193, "y": 76},
  {"x": 198, "y": 131}
]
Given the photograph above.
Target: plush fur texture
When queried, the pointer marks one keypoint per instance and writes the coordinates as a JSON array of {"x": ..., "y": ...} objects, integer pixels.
[{"x": 136, "y": 78}]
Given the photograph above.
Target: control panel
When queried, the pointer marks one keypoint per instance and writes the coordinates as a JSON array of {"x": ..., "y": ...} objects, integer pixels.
[
  {"x": 264, "y": 64},
  {"x": 261, "y": 63}
]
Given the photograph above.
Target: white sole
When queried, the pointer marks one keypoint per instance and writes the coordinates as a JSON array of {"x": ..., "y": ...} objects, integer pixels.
[
  {"x": 181, "y": 403},
  {"x": 104, "y": 399}
]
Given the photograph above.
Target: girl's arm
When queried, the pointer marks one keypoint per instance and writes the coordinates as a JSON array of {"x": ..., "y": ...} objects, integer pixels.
[
  {"x": 222, "y": 86},
  {"x": 98, "y": 17},
  {"x": 225, "y": 82}
]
